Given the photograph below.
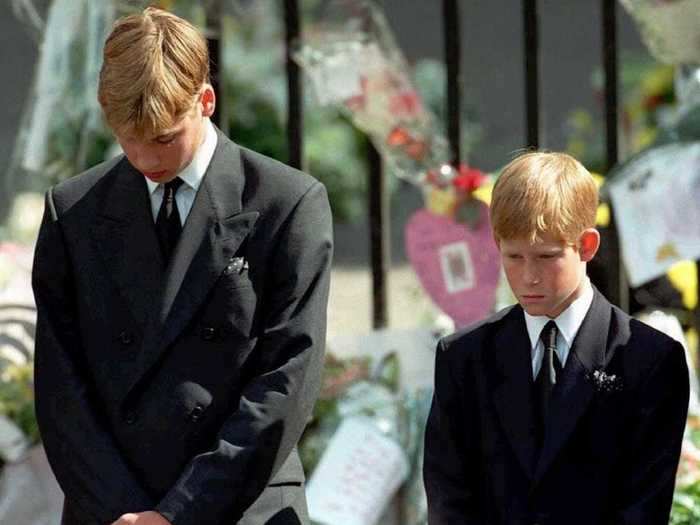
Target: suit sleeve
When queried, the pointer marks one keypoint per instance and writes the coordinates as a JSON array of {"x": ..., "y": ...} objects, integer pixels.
[
  {"x": 655, "y": 437},
  {"x": 277, "y": 403},
  {"x": 81, "y": 452},
  {"x": 449, "y": 453}
]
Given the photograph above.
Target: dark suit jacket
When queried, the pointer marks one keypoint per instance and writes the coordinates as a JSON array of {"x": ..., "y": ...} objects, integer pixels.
[
  {"x": 184, "y": 389},
  {"x": 609, "y": 457}
]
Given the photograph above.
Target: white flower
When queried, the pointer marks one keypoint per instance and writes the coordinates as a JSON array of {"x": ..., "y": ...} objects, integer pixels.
[{"x": 25, "y": 217}]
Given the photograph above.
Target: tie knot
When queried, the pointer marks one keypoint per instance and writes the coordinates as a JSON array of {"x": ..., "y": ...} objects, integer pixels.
[
  {"x": 173, "y": 185},
  {"x": 549, "y": 335}
]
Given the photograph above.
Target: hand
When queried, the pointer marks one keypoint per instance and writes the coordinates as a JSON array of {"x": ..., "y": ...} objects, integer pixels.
[{"x": 142, "y": 518}]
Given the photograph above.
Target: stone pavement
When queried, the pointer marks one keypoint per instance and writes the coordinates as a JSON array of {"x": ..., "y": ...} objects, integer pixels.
[{"x": 29, "y": 494}]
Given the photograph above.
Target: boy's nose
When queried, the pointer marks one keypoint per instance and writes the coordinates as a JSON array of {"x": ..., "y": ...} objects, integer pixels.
[
  {"x": 147, "y": 162},
  {"x": 531, "y": 275}
]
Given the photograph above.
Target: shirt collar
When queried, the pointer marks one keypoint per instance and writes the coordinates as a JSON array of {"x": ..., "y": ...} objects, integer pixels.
[
  {"x": 568, "y": 322},
  {"x": 193, "y": 173}
]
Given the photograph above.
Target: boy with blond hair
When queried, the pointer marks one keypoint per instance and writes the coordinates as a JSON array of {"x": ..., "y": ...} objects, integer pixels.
[
  {"x": 181, "y": 291},
  {"x": 561, "y": 409}
]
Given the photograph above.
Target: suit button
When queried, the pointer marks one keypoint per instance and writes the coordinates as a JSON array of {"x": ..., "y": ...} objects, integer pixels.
[
  {"x": 196, "y": 413},
  {"x": 208, "y": 333},
  {"x": 130, "y": 418},
  {"x": 126, "y": 338}
]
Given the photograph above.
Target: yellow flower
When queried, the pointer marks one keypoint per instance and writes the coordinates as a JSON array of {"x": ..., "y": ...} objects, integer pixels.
[
  {"x": 484, "y": 192},
  {"x": 684, "y": 278},
  {"x": 581, "y": 119},
  {"x": 658, "y": 81},
  {"x": 576, "y": 147},
  {"x": 645, "y": 137}
]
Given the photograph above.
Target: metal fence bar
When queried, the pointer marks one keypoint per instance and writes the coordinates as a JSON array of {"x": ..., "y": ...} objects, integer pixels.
[
  {"x": 453, "y": 60},
  {"x": 618, "y": 287},
  {"x": 379, "y": 237},
  {"x": 608, "y": 13},
  {"x": 532, "y": 89},
  {"x": 213, "y": 24},
  {"x": 295, "y": 103}
]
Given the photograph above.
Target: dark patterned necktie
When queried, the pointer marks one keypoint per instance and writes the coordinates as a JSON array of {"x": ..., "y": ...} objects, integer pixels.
[
  {"x": 168, "y": 225},
  {"x": 550, "y": 372}
]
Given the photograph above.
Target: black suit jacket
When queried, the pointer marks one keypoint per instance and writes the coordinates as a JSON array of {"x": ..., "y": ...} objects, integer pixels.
[
  {"x": 609, "y": 457},
  {"x": 182, "y": 389}
]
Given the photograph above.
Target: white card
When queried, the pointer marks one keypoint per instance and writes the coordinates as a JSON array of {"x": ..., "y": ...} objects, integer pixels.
[
  {"x": 457, "y": 267},
  {"x": 13, "y": 443},
  {"x": 656, "y": 199},
  {"x": 357, "y": 476}
]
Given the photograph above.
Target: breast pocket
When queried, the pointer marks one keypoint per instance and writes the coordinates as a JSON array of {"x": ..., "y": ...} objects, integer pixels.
[
  {"x": 231, "y": 310},
  {"x": 236, "y": 273}
]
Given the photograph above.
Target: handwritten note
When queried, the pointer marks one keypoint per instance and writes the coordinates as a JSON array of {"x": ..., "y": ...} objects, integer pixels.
[
  {"x": 357, "y": 475},
  {"x": 656, "y": 198}
]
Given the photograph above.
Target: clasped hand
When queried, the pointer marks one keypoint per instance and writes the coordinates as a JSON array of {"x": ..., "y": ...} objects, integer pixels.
[{"x": 142, "y": 518}]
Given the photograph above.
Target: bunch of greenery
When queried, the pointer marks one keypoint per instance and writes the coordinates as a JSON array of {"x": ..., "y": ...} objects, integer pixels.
[
  {"x": 686, "y": 505},
  {"x": 647, "y": 107},
  {"x": 686, "y": 498},
  {"x": 17, "y": 398}
]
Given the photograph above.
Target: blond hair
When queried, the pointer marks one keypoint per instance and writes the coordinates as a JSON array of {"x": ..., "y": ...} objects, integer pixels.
[
  {"x": 543, "y": 193},
  {"x": 155, "y": 64}
]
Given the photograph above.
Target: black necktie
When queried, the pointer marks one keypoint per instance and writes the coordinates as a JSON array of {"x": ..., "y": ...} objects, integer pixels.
[
  {"x": 168, "y": 224},
  {"x": 550, "y": 372}
]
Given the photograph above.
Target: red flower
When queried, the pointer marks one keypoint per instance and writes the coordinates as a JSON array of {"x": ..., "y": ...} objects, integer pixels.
[
  {"x": 437, "y": 179},
  {"x": 399, "y": 137},
  {"x": 407, "y": 103},
  {"x": 415, "y": 148},
  {"x": 468, "y": 179},
  {"x": 357, "y": 102},
  {"x": 652, "y": 101}
]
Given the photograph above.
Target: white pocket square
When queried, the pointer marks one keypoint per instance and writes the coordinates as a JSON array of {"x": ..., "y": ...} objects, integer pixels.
[{"x": 237, "y": 264}]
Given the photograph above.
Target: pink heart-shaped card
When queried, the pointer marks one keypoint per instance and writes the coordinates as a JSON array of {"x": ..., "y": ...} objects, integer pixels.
[{"x": 458, "y": 266}]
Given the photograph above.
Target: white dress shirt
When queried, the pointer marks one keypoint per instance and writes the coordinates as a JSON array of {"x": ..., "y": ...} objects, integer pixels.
[
  {"x": 568, "y": 323},
  {"x": 192, "y": 176}
]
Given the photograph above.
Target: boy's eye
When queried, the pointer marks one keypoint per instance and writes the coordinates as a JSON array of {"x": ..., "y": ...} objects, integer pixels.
[
  {"x": 514, "y": 256},
  {"x": 167, "y": 139},
  {"x": 550, "y": 255}
]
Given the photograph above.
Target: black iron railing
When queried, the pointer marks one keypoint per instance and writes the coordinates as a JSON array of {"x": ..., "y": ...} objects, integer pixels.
[{"x": 616, "y": 285}]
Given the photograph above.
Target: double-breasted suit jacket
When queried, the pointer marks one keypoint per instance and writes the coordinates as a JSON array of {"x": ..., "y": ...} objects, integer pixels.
[
  {"x": 611, "y": 445},
  {"x": 184, "y": 388}
]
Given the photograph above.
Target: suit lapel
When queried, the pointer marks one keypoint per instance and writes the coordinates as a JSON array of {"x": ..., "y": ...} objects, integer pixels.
[
  {"x": 575, "y": 391},
  {"x": 213, "y": 232},
  {"x": 512, "y": 393},
  {"x": 125, "y": 238}
]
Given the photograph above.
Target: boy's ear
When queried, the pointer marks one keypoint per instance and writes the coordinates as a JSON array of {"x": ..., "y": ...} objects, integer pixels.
[
  {"x": 208, "y": 100},
  {"x": 589, "y": 242},
  {"x": 498, "y": 242}
]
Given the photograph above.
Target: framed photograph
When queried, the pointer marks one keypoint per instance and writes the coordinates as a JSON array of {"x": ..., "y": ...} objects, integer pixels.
[{"x": 457, "y": 267}]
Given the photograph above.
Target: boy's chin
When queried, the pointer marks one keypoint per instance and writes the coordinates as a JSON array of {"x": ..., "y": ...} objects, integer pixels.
[{"x": 538, "y": 310}]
